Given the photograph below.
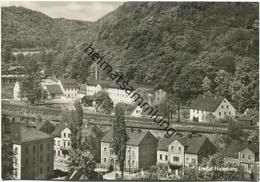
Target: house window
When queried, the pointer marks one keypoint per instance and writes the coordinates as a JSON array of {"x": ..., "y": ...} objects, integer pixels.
[
  {"x": 176, "y": 159},
  {"x": 227, "y": 106},
  {"x": 15, "y": 150},
  {"x": 179, "y": 149},
  {"x": 222, "y": 106},
  {"x": 58, "y": 153},
  {"x": 249, "y": 167},
  {"x": 172, "y": 148},
  {"x": 105, "y": 149},
  {"x": 15, "y": 172},
  {"x": 34, "y": 148},
  {"x": 243, "y": 156},
  {"x": 160, "y": 156},
  {"x": 105, "y": 160},
  {"x": 64, "y": 134},
  {"x": 68, "y": 144},
  {"x": 41, "y": 147},
  {"x": 219, "y": 113},
  {"x": 229, "y": 113},
  {"x": 64, "y": 143},
  {"x": 166, "y": 157},
  {"x": 69, "y": 134},
  {"x": 40, "y": 170},
  {"x": 249, "y": 157}
]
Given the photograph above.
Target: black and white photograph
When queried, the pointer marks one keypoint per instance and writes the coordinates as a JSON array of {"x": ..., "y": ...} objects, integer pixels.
[{"x": 130, "y": 90}]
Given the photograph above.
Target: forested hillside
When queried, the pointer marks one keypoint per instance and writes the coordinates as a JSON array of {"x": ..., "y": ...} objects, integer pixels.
[{"x": 185, "y": 48}]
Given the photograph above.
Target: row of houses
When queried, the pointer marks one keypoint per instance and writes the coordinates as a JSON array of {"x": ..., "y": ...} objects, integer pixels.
[
  {"x": 202, "y": 109},
  {"x": 41, "y": 147}
]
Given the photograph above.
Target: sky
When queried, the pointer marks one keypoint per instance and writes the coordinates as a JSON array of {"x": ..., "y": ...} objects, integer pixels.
[{"x": 80, "y": 10}]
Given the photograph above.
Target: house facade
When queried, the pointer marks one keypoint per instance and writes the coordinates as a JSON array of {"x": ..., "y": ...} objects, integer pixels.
[
  {"x": 243, "y": 154},
  {"x": 140, "y": 150},
  {"x": 69, "y": 88},
  {"x": 207, "y": 108},
  {"x": 33, "y": 149},
  {"x": 62, "y": 144},
  {"x": 178, "y": 152},
  {"x": 116, "y": 94}
]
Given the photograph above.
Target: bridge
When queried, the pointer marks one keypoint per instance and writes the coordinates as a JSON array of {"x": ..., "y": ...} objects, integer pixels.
[{"x": 14, "y": 110}]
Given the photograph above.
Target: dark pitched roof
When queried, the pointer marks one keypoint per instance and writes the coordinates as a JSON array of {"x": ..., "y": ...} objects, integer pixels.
[
  {"x": 20, "y": 133},
  {"x": 57, "y": 131},
  {"x": 94, "y": 131},
  {"x": 54, "y": 89},
  {"x": 192, "y": 145},
  {"x": 206, "y": 103},
  {"x": 69, "y": 84},
  {"x": 134, "y": 137},
  {"x": 236, "y": 146}
]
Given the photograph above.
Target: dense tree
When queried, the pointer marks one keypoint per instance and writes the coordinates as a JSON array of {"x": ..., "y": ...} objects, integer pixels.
[
  {"x": 222, "y": 81},
  {"x": 7, "y": 158},
  {"x": 75, "y": 123},
  {"x": 206, "y": 86},
  {"x": 104, "y": 102},
  {"x": 119, "y": 136},
  {"x": 82, "y": 159},
  {"x": 173, "y": 46},
  {"x": 30, "y": 84},
  {"x": 235, "y": 131}
]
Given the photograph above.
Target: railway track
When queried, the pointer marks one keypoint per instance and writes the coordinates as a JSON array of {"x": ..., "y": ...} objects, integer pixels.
[{"x": 105, "y": 119}]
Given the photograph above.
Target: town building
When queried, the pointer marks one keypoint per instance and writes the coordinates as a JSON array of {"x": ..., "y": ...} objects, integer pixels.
[
  {"x": 50, "y": 90},
  {"x": 206, "y": 108},
  {"x": 178, "y": 152},
  {"x": 69, "y": 87},
  {"x": 116, "y": 94},
  {"x": 244, "y": 154},
  {"x": 140, "y": 150},
  {"x": 12, "y": 74},
  {"x": 62, "y": 144},
  {"x": 33, "y": 152},
  {"x": 44, "y": 126}
]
